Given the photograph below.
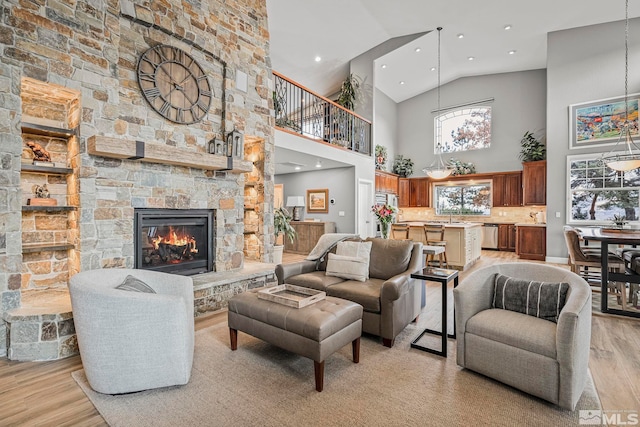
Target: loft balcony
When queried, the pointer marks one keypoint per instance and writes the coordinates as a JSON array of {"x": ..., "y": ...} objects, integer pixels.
[{"x": 303, "y": 112}]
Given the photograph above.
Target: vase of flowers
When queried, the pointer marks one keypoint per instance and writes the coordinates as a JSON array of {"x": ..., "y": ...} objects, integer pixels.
[{"x": 385, "y": 215}]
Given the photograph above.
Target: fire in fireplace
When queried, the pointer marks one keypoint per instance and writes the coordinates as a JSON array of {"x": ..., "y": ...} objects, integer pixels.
[{"x": 179, "y": 241}]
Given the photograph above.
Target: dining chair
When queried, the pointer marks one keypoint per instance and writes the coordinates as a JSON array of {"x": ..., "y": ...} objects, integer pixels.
[
  {"x": 400, "y": 231},
  {"x": 434, "y": 236},
  {"x": 581, "y": 260}
]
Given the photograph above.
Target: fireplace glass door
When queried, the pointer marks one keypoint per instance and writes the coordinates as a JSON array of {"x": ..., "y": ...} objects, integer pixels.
[{"x": 174, "y": 241}]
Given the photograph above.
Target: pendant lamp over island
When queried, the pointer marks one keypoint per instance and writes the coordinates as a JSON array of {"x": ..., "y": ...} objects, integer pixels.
[
  {"x": 630, "y": 159},
  {"x": 438, "y": 169}
]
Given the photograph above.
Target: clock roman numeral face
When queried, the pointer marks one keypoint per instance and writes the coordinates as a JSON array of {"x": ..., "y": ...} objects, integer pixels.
[{"x": 174, "y": 84}]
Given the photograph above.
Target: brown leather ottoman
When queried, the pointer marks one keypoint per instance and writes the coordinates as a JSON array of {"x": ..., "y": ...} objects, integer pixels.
[{"x": 315, "y": 331}]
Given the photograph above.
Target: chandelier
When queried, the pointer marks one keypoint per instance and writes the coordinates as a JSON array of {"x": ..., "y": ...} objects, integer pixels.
[
  {"x": 630, "y": 159},
  {"x": 438, "y": 170}
]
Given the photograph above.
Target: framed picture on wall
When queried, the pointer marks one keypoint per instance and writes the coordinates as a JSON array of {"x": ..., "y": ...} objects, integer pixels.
[
  {"x": 318, "y": 201},
  {"x": 596, "y": 123}
]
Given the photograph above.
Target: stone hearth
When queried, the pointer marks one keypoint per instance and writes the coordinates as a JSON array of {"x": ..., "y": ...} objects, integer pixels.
[{"x": 73, "y": 66}]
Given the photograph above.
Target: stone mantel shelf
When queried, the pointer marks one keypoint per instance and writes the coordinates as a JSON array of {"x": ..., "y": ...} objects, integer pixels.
[{"x": 159, "y": 153}]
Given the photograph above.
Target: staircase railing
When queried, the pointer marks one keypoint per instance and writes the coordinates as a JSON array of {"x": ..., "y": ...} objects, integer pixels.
[{"x": 299, "y": 110}]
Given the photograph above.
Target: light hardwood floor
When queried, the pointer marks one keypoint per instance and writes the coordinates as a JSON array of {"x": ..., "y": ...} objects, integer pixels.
[{"x": 44, "y": 394}]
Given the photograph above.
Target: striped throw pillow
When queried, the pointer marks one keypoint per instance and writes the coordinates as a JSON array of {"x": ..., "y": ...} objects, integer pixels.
[{"x": 540, "y": 299}]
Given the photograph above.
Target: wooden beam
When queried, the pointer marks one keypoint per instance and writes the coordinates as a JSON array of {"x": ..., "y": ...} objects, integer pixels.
[{"x": 116, "y": 148}]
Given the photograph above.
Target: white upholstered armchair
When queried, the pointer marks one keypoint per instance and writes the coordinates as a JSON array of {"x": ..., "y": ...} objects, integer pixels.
[
  {"x": 131, "y": 341},
  {"x": 546, "y": 359}
]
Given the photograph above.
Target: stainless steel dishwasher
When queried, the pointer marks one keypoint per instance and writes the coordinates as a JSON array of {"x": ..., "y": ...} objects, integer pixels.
[{"x": 490, "y": 236}]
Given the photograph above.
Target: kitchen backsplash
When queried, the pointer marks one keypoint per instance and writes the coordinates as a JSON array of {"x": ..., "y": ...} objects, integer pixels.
[{"x": 504, "y": 214}]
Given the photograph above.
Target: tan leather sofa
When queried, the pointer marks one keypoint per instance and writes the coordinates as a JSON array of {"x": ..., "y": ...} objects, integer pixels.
[{"x": 390, "y": 297}]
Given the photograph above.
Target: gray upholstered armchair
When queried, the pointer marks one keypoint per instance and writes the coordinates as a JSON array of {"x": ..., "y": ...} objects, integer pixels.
[
  {"x": 132, "y": 341},
  {"x": 546, "y": 359}
]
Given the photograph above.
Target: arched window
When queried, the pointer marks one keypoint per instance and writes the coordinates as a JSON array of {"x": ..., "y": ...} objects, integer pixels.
[{"x": 463, "y": 129}]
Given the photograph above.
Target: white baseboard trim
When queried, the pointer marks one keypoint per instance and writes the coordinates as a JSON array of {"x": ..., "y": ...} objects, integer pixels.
[{"x": 556, "y": 260}]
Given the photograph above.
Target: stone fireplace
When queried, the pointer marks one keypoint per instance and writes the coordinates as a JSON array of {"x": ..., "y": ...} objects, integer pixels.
[
  {"x": 72, "y": 67},
  {"x": 174, "y": 241}
]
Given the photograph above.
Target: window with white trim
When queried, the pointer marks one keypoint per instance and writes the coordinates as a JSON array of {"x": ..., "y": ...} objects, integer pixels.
[
  {"x": 463, "y": 129},
  {"x": 597, "y": 193},
  {"x": 465, "y": 198}
]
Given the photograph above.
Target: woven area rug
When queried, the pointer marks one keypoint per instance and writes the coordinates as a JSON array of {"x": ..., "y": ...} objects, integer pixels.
[{"x": 261, "y": 385}]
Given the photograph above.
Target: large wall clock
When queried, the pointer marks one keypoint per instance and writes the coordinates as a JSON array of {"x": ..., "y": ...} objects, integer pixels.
[{"x": 174, "y": 84}]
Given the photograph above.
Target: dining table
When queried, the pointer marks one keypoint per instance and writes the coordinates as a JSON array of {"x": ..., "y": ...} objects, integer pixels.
[{"x": 607, "y": 237}]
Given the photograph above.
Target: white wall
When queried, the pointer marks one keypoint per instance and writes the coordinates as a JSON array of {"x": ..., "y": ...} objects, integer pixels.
[
  {"x": 519, "y": 106},
  {"x": 583, "y": 64},
  {"x": 363, "y": 167},
  {"x": 337, "y": 181},
  {"x": 385, "y": 126}
]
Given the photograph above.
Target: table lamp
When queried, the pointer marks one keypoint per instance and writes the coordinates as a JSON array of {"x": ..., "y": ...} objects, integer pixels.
[{"x": 297, "y": 202}]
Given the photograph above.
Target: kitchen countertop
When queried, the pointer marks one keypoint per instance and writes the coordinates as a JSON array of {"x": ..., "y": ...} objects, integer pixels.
[
  {"x": 446, "y": 224},
  {"x": 529, "y": 224}
]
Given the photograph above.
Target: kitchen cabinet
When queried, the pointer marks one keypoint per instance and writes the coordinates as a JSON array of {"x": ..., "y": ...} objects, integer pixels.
[
  {"x": 507, "y": 189},
  {"x": 419, "y": 192},
  {"x": 534, "y": 183},
  {"x": 531, "y": 242},
  {"x": 386, "y": 182},
  {"x": 307, "y": 235},
  {"x": 507, "y": 237},
  {"x": 404, "y": 193}
]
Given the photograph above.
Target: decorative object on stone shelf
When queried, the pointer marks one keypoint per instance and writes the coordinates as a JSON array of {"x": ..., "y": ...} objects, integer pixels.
[
  {"x": 461, "y": 168},
  {"x": 381, "y": 157},
  {"x": 217, "y": 146},
  {"x": 235, "y": 144},
  {"x": 533, "y": 148},
  {"x": 43, "y": 197},
  {"x": 174, "y": 84},
  {"x": 402, "y": 166},
  {"x": 39, "y": 153}
]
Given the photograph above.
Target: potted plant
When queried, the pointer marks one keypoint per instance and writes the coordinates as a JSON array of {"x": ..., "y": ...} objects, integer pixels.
[
  {"x": 461, "y": 168},
  {"x": 385, "y": 214},
  {"x": 381, "y": 157},
  {"x": 402, "y": 166},
  {"x": 349, "y": 92},
  {"x": 281, "y": 225},
  {"x": 533, "y": 149}
]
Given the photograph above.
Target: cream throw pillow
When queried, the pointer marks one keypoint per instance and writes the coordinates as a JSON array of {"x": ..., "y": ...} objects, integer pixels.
[
  {"x": 348, "y": 267},
  {"x": 354, "y": 249}
]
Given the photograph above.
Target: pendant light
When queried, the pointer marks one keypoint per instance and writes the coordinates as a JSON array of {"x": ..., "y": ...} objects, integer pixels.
[
  {"x": 630, "y": 159},
  {"x": 438, "y": 170}
]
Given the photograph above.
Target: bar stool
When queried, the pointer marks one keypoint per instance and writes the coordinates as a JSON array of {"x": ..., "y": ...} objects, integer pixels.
[
  {"x": 430, "y": 252},
  {"x": 434, "y": 236},
  {"x": 400, "y": 231}
]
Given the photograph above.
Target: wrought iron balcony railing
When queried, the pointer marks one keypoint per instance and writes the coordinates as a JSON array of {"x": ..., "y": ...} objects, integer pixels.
[{"x": 300, "y": 110}]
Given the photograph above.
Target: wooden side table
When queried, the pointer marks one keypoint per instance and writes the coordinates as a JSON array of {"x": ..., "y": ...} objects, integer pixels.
[{"x": 442, "y": 276}]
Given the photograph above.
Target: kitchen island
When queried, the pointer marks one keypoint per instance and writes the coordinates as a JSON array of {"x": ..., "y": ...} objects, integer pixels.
[{"x": 463, "y": 241}]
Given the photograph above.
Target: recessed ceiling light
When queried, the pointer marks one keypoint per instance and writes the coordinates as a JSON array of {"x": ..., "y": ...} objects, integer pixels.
[
  {"x": 471, "y": 58},
  {"x": 460, "y": 36},
  {"x": 507, "y": 27},
  {"x": 383, "y": 66},
  {"x": 318, "y": 59},
  {"x": 402, "y": 82},
  {"x": 318, "y": 164},
  {"x": 417, "y": 49},
  {"x": 512, "y": 52},
  {"x": 433, "y": 68},
  {"x": 297, "y": 168}
]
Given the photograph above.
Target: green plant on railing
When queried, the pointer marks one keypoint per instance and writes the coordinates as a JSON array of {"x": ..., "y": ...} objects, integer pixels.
[
  {"x": 402, "y": 166},
  {"x": 461, "y": 168}
]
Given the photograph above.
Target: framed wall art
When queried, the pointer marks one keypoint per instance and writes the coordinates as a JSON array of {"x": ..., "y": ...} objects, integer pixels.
[
  {"x": 318, "y": 201},
  {"x": 599, "y": 122}
]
